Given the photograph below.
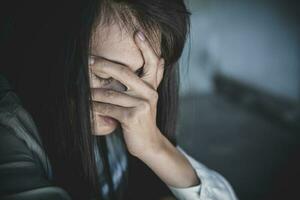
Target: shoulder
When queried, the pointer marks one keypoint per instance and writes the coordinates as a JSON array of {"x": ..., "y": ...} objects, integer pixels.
[
  {"x": 21, "y": 177},
  {"x": 19, "y": 127},
  {"x": 24, "y": 165},
  {"x": 10, "y": 146},
  {"x": 16, "y": 163}
]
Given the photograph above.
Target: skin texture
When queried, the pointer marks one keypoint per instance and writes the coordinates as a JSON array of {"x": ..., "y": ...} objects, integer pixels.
[{"x": 118, "y": 58}]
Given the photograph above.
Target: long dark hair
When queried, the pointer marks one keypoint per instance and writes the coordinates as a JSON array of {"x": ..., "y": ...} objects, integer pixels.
[{"x": 50, "y": 75}]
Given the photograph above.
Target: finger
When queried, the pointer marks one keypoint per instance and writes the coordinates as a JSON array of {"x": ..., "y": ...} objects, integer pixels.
[
  {"x": 92, "y": 61},
  {"x": 114, "y": 97},
  {"x": 122, "y": 74},
  {"x": 150, "y": 58},
  {"x": 117, "y": 112}
]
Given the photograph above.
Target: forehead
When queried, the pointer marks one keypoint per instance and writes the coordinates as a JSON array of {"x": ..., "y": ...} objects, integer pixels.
[{"x": 117, "y": 44}]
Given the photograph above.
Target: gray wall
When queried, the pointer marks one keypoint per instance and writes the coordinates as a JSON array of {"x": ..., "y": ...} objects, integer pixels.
[{"x": 253, "y": 41}]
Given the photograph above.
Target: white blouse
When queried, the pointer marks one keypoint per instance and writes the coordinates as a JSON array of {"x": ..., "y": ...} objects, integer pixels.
[{"x": 213, "y": 185}]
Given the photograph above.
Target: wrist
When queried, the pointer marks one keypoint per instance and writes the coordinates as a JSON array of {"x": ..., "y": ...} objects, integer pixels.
[
  {"x": 160, "y": 147},
  {"x": 170, "y": 165}
]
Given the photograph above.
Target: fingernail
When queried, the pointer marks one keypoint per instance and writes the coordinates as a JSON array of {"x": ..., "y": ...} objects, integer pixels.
[
  {"x": 91, "y": 61},
  {"x": 141, "y": 36}
]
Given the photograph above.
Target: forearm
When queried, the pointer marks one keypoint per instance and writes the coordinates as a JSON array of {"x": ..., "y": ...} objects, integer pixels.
[{"x": 171, "y": 165}]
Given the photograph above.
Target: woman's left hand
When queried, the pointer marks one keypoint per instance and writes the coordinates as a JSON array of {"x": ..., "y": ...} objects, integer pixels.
[{"x": 135, "y": 108}]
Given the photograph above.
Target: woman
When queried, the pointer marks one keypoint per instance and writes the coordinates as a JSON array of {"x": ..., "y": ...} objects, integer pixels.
[{"x": 105, "y": 110}]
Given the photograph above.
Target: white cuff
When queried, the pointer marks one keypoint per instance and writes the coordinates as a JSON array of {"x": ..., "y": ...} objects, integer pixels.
[
  {"x": 190, "y": 193},
  {"x": 213, "y": 185}
]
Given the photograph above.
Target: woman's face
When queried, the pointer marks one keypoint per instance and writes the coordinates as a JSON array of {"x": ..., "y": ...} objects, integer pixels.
[{"x": 115, "y": 45}]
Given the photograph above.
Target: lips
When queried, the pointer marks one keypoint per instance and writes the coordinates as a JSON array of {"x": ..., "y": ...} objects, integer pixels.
[{"x": 108, "y": 120}]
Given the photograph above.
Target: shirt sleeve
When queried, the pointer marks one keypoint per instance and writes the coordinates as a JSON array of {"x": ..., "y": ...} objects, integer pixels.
[{"x": 213, "y": 185}]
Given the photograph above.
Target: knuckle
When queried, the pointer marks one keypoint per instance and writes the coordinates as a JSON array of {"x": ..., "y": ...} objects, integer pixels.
[
  {"x": 130, "y": 115},
  {"x": 144, "y": 107},
  {"x": 157, "y": 61},
  {"x": 152, "y": 61},
  {"x": 153, "y": 95},
  {"x": 124, "y": 72}
]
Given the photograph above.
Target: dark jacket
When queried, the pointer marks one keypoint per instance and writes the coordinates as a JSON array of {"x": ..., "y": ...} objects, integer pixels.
[{"x": 24, "y": 168}]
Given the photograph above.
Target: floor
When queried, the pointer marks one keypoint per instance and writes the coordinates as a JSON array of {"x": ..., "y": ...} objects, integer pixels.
[{"x": 252, "y": 152}]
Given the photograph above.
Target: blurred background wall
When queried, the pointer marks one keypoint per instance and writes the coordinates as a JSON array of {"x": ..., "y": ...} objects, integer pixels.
[
  {"x": 253, "y": 41},
  {"x": 240, "y": 93}
]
